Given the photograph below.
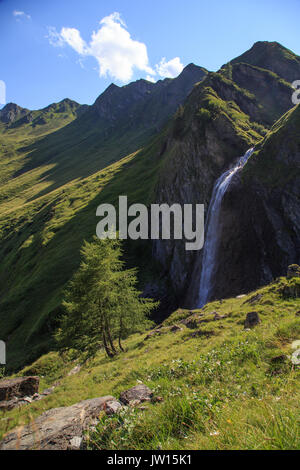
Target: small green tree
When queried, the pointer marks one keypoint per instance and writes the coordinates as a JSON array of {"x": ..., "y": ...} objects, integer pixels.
[{"x": 102, "y": 304}]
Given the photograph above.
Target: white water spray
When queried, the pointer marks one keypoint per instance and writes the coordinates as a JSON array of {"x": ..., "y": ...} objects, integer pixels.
[{"x": 211, "y": 244}]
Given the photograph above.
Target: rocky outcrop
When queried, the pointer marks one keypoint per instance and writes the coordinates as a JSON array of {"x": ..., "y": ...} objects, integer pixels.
[
  {"x": 11, "y": 113},
  {"x": 260, "y": 210},
  {"x": 18, "y": 387},
  {"x": 64, "y": 428},
  {"x": 138, "y": 394},
  {"x": 202, "y": 146},
  {"x": 112, "y": 407},
  {"x": 262, "y": 205},
  {"x": 57, "y": 429},
  {"x": 21, "y": 391}
]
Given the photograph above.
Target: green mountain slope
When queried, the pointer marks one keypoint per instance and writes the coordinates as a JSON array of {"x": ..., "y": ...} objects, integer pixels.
[
  {"x": 52, "y": 187},
  {"x": 51, "y": 147},
  {"x": 221, "y": 386},
  {"x": 54, "y": 181}
]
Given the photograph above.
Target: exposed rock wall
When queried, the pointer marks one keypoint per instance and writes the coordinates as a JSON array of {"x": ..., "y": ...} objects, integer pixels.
[{"x": 260, "y": 219}]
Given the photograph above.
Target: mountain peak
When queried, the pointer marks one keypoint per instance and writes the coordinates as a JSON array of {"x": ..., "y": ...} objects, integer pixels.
[
  {"x": 195, "y": 72},
  {"x": 274, "y": 57},
  {"x": 11, "y": 112}
]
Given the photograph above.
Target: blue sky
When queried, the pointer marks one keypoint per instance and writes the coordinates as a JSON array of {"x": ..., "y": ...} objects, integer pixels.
[{"x": 48, "y": 50}]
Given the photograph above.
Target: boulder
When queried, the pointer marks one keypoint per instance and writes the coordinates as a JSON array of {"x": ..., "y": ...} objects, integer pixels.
[
  {"x": 7, "y": 405},
  {"x": 252, "y": 319},
  {"x": 138, "y": 394},
  {"x": 18, "y": 387},
  {"x": 112, "y": 407},
  {"x": 293, "y": 271},
  {"x": 296, "y": 357},
  {"x": 57, "y": 429}
]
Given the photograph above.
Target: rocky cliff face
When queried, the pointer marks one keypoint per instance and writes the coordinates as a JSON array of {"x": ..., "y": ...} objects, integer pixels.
[
  {"x": 226, "y": 114},
  {"x": 263, "y": 206},
  {"x": 204, "y": 141},
  {"x": 143, "y": 104}
]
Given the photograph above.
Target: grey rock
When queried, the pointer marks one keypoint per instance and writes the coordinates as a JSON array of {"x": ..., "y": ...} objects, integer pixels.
[
  {"x": 55, "y": 429},
  {"x": 136, "y": 395},
  {"x": 7, "y": 405},
  {"x": 18, "y": 387},
  {"x": 252, "y": 319},
  {"x": 112, "y": 407},
  {"x": 76, "y": 443}
]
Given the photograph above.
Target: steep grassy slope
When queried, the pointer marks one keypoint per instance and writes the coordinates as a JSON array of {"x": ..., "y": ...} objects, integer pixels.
[
  {"x": 40, "y": 244},
  {"x": 22, "y": 134},
  {"x": 48, "y": 148},
  {"x": 50, "y": 165},
  {"x": 223, "y": 387}
]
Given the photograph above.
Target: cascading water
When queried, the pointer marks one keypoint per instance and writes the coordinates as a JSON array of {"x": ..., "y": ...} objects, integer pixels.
[{"x": 213, "y": 228}]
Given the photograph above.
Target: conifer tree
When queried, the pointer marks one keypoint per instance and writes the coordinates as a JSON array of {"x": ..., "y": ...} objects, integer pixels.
[{"x": 102, "y": 304}]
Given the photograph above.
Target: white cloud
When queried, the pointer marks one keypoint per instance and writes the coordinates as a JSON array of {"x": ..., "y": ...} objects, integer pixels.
[
  {"x": 117, "y": 54},
  {"x": 72, "y": 37},
  {"x": 21, "y": 14},
  {"x": 171, "y": 69}
]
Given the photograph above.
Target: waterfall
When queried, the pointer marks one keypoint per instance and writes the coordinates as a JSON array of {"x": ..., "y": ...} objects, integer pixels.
[{"x": 212, "y": 229}]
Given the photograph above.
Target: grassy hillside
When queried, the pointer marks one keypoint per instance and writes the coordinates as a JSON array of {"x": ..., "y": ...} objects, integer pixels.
[
  {"x": 40, "y": 244},
  {"x": 276, "y": 159},
  {"x": 58, "y": 164},
  {"x": 42, "y": 227},
  {"x": 223, "y": 387}
]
